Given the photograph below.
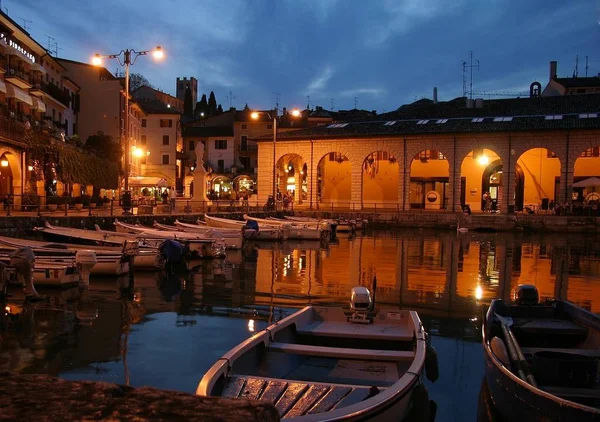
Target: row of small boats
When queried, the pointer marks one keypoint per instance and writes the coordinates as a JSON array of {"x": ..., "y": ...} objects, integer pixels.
[{"x": 326, "y": 363}]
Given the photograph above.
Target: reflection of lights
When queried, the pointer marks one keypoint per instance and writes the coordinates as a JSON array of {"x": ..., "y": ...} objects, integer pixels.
[
  {"x": 478, "y": 292},
  {"x": 7, "y": 309},
  {"x": 473, "y": 319},
  {"x": 483, "y": 159},
  {"x": 251, "y": 325}
]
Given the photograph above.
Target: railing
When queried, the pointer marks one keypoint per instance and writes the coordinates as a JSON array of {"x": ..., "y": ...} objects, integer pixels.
[
  {"x": 3, "y": 63},
  {"x": 12, "y": 128},
  {"x": 56, "y": 92},
  {"x": 19, "y": 73}
]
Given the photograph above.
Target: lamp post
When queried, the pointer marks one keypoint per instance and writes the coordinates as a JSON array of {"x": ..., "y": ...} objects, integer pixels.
[
  {"x": 129, "y": 58},
  {"x": 255, "y": 115}
]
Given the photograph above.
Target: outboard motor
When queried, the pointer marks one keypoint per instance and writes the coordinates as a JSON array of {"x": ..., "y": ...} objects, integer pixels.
[
  {"x": 172, "y": 252},
  {"x": 360, "y": 303},
  {"x": 23, "y": 260},
  {"x": 85, "y": 260},
  {"x": 527, "y": 295}
]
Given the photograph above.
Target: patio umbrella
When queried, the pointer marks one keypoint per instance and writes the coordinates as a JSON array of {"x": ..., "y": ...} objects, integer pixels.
[{"x": 590, "y": 181}]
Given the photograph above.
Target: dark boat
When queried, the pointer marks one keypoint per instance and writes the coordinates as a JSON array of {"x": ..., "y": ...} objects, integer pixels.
[{"x": 541, "y": 359}]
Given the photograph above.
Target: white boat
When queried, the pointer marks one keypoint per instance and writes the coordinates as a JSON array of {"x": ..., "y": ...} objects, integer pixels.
[
  {"x": 322, "y": 364},
  {"x": 233, "y": 238},
  {"x": 48, "y": 273},
  {"x": 325, "y": 225},
  {"x": 294, "y": 231},
  {"x": 341, "y": 226},
  {"x": 264, "y": 233},
  {"x": 198, "y": 245}
]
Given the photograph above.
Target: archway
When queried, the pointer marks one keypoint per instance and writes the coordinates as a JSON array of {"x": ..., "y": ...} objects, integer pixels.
[
  {"x": 540, "y": 174},
  {"x": 244, "y": 183},
  {"x": 291, "y": 177},
  {"x": 480, "y": 172},
  {"x": 429, "y": 177},
  {"x": 220, "y": 188},
  {"x": 380, "y": 180},
  {"x": 6, "y": 176},
  {"x": 586, "y": 165},
  {"x": 334, "y": 179}
]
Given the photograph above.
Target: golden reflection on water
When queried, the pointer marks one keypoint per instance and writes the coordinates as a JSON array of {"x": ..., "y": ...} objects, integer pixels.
[{"x": 437, "y": 272}]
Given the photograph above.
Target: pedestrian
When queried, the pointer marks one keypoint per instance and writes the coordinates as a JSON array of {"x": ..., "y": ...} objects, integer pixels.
[
  {"x": 488, "y": 202},
  {"x": 172, "y": 196},
  {"x": 484, "y": 200}
]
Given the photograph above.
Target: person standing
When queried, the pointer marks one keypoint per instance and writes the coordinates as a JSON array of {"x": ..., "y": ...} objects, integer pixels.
[{"x": 172, "y": 196}]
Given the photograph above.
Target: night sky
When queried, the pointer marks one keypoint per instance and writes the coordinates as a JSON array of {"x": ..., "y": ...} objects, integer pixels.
[{"x": 385, "y": 53}]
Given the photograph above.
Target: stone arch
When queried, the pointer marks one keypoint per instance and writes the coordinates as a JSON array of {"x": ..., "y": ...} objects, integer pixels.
[
  {"x": 10, "y": 182},
  {"x": 380, "y": 179},
  {"x": 586, "y": 164},
  {"x": 475, "y": 171},
  {"x": 540, "y": 170},
  {"x": 334, "y": 179},
  {"x": 290, "y": 176},
  {"x": 429, "y": 180}
]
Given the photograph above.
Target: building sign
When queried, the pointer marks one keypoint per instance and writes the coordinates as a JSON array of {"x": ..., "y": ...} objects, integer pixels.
[
  {"x": 21, "y": 50},
  {"x": 432, "y": 196}
]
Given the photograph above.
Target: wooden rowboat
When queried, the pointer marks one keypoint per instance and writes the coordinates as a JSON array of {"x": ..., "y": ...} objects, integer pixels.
[
  {"x": 541, "y": 360},
  {"x": 322, "y": 364},
  {"x": 264, "y": 233}
]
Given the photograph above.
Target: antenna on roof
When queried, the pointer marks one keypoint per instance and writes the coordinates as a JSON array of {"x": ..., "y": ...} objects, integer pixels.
[
  {"x": 586, "y": 66},
  {"x": 277, "y": 99},
  {"x": 308, "y": 102},
  {"x": 26, "y": 27},
  {"x": 470, "y": 66},
  {"x": 355, "y": 103},
  {"x": 231, "y": 97},
  {"x": 332, "y": 104},
  {"x": 576, "y": 71},
  {"x": 52, "y": 45}
]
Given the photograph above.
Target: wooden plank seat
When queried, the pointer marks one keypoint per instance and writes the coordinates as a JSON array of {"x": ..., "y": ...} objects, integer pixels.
[
  {"x": 585, "y": 352},
  {"x": 343, "y": 353},
  {"x": 294, "y": 398},
  {"x": 363, "y": 331}
]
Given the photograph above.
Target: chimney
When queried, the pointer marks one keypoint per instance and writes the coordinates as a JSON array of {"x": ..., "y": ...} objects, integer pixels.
[
  {"x": 553, "y": 66},
  {"x": 435, "y": 95}
]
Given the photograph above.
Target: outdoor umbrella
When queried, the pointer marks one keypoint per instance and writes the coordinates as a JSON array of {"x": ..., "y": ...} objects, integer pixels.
[{"x": 590, "y": 181}]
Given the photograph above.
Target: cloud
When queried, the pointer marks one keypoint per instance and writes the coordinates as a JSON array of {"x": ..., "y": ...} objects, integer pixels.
[
  {"x": 375, "y": 92},
  {"x": 320, "y": 82}
]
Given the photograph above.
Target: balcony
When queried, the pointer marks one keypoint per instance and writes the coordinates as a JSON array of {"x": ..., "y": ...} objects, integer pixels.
[
  {"x": 18, "y": 77},
  {"x": 251, "y": 149},
  {"x": 36, "y": 90},
  {"x": 2, "y": 64},
  {"x": 12, "y": 128},
  {"x": 56, "y": 93}
]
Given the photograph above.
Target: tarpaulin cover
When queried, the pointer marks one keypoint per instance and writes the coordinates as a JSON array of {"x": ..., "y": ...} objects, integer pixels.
[
  {"x": 171, "y": 250},
  {"x": 252, "y": 224},
  {"x": 22, "y": 256}
]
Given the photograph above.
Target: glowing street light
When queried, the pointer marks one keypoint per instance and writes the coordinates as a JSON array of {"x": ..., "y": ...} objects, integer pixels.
[
  {"x": 255, "y": 115},
  {"x": 129, "y": 58},
  {"x": 483, "y": 160}
]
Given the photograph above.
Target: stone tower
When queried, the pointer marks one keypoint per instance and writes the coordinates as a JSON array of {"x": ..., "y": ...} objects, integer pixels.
[{"x": 182, "y": 84}]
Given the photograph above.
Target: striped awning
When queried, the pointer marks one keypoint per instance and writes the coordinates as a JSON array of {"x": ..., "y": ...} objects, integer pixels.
[
  {"x": 38, "y": 104},
  {"x": 2, "y": 87},
  {"x": 147, "y": 181},
  {"x": 18, "y": 94}
]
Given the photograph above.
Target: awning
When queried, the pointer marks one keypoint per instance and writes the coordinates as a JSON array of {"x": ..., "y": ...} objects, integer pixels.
[
  {"x": 38, "y": 104},
  {"x": 18, "y": 94},
  {"x": 38, "y": 67},
  {"x": 2, "y": 87},
  {"x": 590, "y": 181},
  {"x": 147, "y": 181}
]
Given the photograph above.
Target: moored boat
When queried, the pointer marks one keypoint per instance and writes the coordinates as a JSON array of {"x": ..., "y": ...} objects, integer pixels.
[
  {"x": 263, "y": 232},
  {"x": 233, "y": 238},
  {"x": 541, "y": 359},
  {"x": 294, "y": 230},
  {"x": 324, "y": 364}
]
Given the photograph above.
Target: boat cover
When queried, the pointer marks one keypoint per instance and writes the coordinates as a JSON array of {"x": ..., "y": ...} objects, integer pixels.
[
  {"x": 252, "y": 224},
  {"x": 171, "y": 250}
]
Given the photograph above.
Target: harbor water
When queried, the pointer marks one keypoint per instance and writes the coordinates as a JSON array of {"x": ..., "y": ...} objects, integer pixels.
[{"x": 166, "y": 332}]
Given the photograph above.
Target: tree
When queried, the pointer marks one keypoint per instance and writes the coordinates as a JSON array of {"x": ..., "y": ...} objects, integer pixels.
[
  {"x": 212, "y": 104},
  {"x": 105, "y": 147},
  {"x": 188, "y": 106},
  {"x": 137, "y": 80},
  {"x": 219, "y": 109},
  {"x": 201, "y": 107}
]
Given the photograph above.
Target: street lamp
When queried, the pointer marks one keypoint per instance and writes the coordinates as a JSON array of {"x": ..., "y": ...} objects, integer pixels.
[
  {"x": 129, "y": 58},
  {"x": 255, "y": 115}
]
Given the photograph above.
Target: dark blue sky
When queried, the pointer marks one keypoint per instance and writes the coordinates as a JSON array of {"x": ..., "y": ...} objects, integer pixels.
[{"x": 384, "y": 52}]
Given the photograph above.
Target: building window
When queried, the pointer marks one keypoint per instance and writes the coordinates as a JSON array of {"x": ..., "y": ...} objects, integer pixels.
[
  {"x": 166, "y": 158},
  {"x": 191, "y": 145},
  {"x": 244, "y": 126},
  {"x": 166, "y": 123},
  {"x": 220, "y": 143},
  {"x": 431, "y": 155},
  {"x": 165, "y": 139},
  {"x": 244, "y": 143},
  {"x": 66, "y": 127},
  {"x": 143, "y": 122},
  {"x": 143, "y": 141},
  {"x": 244, "y": 161},
  {"x": 591, "y": 152},
  {"x": 74, "y": 129},
  {"x": 221, "y": 166},
  {"x": 269, "y": 126}
]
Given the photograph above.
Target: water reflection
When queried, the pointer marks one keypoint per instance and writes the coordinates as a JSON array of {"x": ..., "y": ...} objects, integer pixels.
[{"x": 166, "y": 332}]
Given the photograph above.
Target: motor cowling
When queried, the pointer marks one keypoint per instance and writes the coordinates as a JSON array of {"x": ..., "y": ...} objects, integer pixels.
[
  {"x": 85, "y": 260},
  {"x": 527, "y": 294},
  {"x": 360, "y": 299}
]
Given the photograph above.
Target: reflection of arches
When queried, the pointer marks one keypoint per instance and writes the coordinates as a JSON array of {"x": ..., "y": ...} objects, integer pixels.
[
  {"x": 429, "y": 179},
  {"x": 334, "y": 178},
  {"x": 380, "y": 178}
]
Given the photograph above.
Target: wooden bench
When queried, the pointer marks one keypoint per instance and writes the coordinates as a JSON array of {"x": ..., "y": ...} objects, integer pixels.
[
  {"x": 343, "y": 353},
  {"x": 363, "y": 331}
]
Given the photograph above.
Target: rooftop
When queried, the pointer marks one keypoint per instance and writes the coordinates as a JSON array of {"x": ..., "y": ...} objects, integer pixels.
[
  {"x": 155, "y": 107},
  {"x": 207, "y": 131},
  {"x": 594, "y": 81}
]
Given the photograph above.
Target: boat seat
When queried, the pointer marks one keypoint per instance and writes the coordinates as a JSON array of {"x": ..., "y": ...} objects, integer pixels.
[
  {"x": 572, "y": 393},
  {"x": 294, "y": 398},
  {"x": 363, "y": 331},
  {"x": 343, "y": 353},
  {"x": 584, "y": 352},
  {"x": 549, "y": 326}
]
